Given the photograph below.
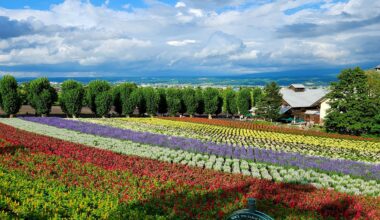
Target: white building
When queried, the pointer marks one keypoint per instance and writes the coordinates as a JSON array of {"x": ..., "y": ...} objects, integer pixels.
[
  {"x": 377, "y": 68},
  {"x": 304, "y": 104}
]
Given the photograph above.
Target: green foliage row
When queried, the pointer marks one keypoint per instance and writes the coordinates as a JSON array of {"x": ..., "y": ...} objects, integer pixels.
[{"x": 100, "y": 96}]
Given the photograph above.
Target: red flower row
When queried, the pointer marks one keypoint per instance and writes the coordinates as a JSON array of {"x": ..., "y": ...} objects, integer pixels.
[
  {"x": 270, "y": 128},
  {"x": 302, "y": 197}
]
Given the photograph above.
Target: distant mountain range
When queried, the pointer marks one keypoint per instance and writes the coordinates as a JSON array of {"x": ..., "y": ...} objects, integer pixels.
[{"x": 315, "y": 78}]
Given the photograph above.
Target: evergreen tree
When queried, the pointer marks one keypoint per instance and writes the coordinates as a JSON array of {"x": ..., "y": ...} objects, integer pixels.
[
  {"x": 103, "y": 102},
  {"x": 71, "y": 98},
  {"x": 41, "y": 96},
  {"x": 23, "y": 91},
  {"x": 9, "y": 98},
  {"x": 120, "y": 95},
  {"x": 244, "y": 101},
  {"x": 212, "y": 101},
  {"x": 257, "y": 94},
  {"x": 174, "y": 100},
  {"x": 270, "y": 104},
  {"x": 151, "y": 99},
  {"x": 200, "y": 101},
  {"x": 182, "y": 109},
  {"x": 131, "y": 103},
  {"x": 162, "y": 102},
  {"x": 352, "y": 109},
  {"x": 99, "y": 105},
  {"x": 190, "y": 101},
  {"x": 230, "y": 105},
  {"x": 141, "y": 102}
]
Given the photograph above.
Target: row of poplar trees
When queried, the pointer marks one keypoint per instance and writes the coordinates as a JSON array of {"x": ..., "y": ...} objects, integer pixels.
[{"x": 126, "y": 98}]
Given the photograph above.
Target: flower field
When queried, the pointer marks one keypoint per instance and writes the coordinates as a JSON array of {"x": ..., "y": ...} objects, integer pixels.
[
  {"x": 163, "y": 169},
  {"x": 317, "y": 146},
  {"x": 271, "y": 128}
]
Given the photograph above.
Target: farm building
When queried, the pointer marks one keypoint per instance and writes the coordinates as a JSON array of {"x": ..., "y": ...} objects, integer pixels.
[
  {"x": 301, "y": 104},
  {"x": 377, "y": 68}
]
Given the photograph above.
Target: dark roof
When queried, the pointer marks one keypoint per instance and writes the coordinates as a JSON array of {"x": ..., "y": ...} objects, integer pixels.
[{"x": 377, "y": 67}]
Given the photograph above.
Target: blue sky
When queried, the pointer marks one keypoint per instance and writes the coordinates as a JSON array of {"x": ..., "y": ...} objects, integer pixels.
[{"x": 205, "y": 37}]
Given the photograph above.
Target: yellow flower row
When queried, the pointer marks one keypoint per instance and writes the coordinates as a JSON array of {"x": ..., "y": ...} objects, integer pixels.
[{"x": 239, "y": 133}]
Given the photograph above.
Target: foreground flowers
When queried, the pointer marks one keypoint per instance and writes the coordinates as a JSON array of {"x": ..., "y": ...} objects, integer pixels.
[
  {"x": 214, "y": 193},
  {"x": 359, "y": 169}
]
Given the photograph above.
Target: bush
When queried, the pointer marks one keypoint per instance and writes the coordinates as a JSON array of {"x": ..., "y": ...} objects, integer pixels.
[
  {"x": 190, "y": 101},
  {"x": 173, "y": 98},
  {"x": 103, "y": 103},
  {"x": 98, "y": 88},
  {"x": 71, "y": 97},
  {"x": 151, "y": 99},
  {"x": 41, "y": 96},
  {"x": 212, "y": 101},
  {"x": 9, "y": 99},
  {"x": 120, "y": 94}
]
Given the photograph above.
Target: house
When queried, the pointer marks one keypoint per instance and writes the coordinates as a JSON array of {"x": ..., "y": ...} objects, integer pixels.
[
  {"x": 377, "y": 68},
  {"x": 304, "y": 104}
]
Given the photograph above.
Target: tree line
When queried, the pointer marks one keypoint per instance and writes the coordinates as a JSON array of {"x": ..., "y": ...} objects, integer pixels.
[{"x": 100, "y": 96}]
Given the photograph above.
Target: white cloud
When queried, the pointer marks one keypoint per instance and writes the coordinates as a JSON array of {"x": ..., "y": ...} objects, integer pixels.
[
  {"x": 196, "y": 12},
  {"x": 251, "y": 55},
  {"x": 127, "y": 6},
  {"x": 219, "y": 36},
  {"x": 177, "y": 43},
  {"x": 180, "y": 5}
]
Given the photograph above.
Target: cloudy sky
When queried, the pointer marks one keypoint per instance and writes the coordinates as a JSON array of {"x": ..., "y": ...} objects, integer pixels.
[{"x": 152, "y": 37}]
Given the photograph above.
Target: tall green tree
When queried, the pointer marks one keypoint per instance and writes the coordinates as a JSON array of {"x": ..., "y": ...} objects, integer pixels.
[
  {"x": 200, "y": 101},
  {"x": 244, "y": 101},
  {"x": 99, "y": 105},
  {"x": 230, "y": 104},
  {"x": 23, "y": 91},
  {"x": 352, "y": 109},
  {"x": 174, "y": 99},
  {"x": 162, "y": 102},
  {"x": 257, "y": 94},
  {"x": 71, "y": 97},
  {"x": 140, "y": 100},
  {"x": 190, "y": 101},
  {"x": 41, "y": 96},
  {"x": 120, "y": 94},
  {"x": 212, "y": 101},
  {"x": 130, "y": 104},
  {"x": 373, "y": 83},
  {"x": 103, "y": 102},
  {"x": 270, "y": 104},
  {"x": 151, "y": 99},
  {"x": 10, "y": 101}
]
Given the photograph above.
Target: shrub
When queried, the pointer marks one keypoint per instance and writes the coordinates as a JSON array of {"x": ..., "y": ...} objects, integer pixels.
[
  {"x": 71, "y": 97},
  {"x": 41, "y": 96},
  {"x": 9, "y": 99}
]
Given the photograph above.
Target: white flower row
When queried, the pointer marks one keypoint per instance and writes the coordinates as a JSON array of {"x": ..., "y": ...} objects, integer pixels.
[{"x": 340, "y": 183}]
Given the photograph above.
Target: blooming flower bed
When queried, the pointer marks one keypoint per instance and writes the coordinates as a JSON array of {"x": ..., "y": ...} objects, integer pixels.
[
  {"x": 209, "y": 134},
  {"x": 271, "y": 128},
  {"x": 219, "y": 193},
  {"x": 343, "y": 183},
  {"x": 360, "y": 169}
]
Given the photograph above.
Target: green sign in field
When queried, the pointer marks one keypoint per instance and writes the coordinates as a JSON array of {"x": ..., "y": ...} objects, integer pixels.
[{"x": 250, "y": 213}]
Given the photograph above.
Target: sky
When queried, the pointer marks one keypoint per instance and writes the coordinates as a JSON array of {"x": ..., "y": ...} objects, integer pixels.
[{"x": 186, "y": 37}]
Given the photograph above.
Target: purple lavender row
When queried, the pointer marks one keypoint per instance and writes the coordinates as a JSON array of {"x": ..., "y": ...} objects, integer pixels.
[{"x": 355, "y": 168}]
